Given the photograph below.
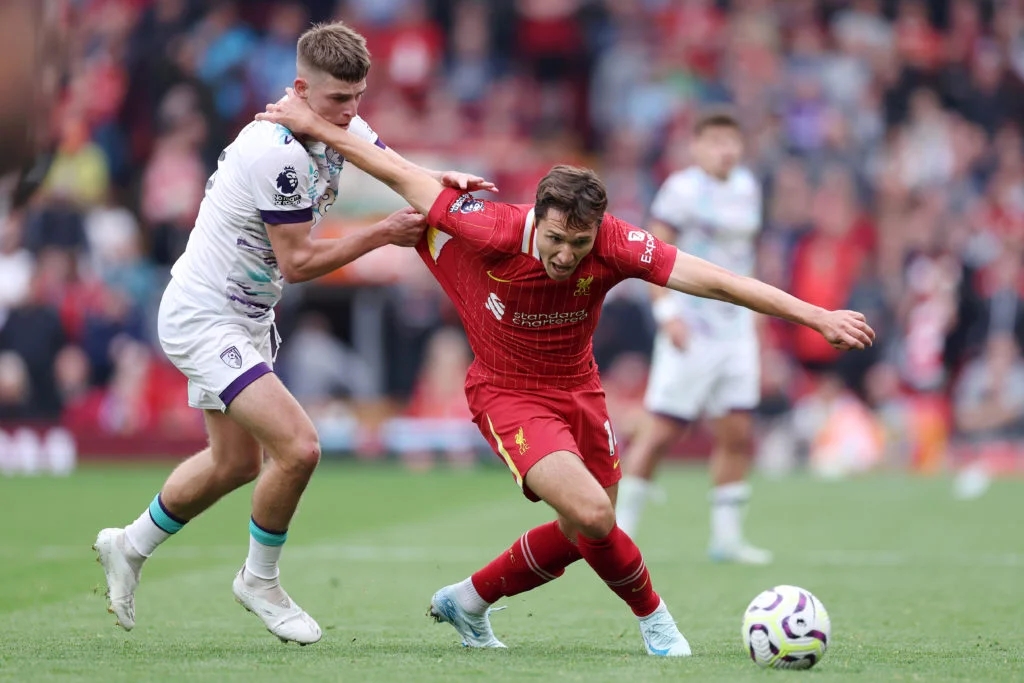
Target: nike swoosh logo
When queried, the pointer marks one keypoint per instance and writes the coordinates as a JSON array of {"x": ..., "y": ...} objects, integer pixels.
[
  {"x": 451, "y": 612},
  {"x": 615, "y": 465},
  {"x": 495, "y": 277},
  {"x": 641, "y": 586}
]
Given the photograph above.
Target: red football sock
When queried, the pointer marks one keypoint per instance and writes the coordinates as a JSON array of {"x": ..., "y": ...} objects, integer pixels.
[
  {"x": 618, "y": 561},
  {"x": 540, "y": 555}
]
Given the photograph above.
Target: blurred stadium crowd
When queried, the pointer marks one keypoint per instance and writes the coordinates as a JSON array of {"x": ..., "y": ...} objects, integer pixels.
[{"x": 887, "y": 135}]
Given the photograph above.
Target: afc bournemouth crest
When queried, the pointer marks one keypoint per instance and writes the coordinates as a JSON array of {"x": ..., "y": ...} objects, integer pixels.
[{"x": 231, "y": 357}]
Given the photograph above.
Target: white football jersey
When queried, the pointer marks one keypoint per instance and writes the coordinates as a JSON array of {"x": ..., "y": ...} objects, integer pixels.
[
  {"x": 266, "y": 177},
  {"x": 717, "y": 221}
]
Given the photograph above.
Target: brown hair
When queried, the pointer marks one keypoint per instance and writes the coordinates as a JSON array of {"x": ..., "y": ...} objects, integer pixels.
[
  {"x": 577, "y": 192},
  {"x": 335, "y": 49},
  {"x": 717, "y": 119}
]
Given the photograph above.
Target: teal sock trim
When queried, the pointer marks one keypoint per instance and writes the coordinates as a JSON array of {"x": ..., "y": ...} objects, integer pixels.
[
  {"x": 162, "y": 517},
  {"x": 265, "y": 537}
]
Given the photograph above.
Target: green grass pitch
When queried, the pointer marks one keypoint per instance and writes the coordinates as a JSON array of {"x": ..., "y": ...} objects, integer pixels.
[{"x": 919, "y": 587}]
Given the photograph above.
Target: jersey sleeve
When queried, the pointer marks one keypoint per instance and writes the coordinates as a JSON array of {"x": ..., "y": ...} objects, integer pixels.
[
  {"x": 638, "y": 253},
  {"x": 361, "y": 129},
  {"x": 672, "y": 204},
  {"x": 488, "y": 226},
  {"x": 280, "y": 181}
]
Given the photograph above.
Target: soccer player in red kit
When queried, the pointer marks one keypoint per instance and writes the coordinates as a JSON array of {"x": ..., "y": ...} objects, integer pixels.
[{"x": 528, "y": 282}]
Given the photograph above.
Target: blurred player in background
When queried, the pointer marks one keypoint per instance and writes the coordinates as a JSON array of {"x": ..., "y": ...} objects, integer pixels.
[
  {"x": 528, "y": 283},
  {"x": 216, "y": 324},
  {"x": 706, "y": 359}
]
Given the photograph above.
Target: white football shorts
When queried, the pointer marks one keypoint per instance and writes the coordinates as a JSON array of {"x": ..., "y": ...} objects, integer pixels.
[
  {"x": 707, "y": 379},
  {"x": 219, "y": 351}
]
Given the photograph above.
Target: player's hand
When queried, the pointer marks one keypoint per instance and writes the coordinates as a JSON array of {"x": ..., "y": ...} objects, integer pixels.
[
  {"x": 292, "y": 112},
  {"x": 404, "y": 227},
  {"x": 846, "y": 330},
  {"x": 677, "y": 333},
  {"x": 466, "y": 181}
]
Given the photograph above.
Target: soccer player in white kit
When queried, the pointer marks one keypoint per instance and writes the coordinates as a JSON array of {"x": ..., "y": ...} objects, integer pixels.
[
  {"x": 216, "y": 324},
  {"x": 706, "y": 356}
]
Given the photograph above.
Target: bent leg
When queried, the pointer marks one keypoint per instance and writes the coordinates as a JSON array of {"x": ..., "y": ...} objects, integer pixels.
[
  {"x": 563, "y": 482},
  {"x": 231, "y": 460},
  {"x": 268, "y": 411},
  {"x": 537, "y": 557},
  {"x": 271, "y": 414}
]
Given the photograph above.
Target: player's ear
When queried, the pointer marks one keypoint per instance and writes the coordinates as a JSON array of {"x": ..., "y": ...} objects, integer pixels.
[{"x": 301, "y": 87}]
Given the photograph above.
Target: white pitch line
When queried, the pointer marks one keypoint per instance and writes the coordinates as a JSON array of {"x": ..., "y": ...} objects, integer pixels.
[
  {"x": 420, "y": 554},
  {"x": 349, "y": 553}
]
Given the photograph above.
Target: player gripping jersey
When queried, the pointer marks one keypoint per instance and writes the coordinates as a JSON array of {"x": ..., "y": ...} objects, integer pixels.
[
  {"x": 216, "y": 317},
  {"x": 253, "y": 232},
  {"x": 528, "y": 285}
]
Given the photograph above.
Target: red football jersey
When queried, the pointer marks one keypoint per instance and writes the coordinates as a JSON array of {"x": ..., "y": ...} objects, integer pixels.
[{"x": 526, "y": 330}]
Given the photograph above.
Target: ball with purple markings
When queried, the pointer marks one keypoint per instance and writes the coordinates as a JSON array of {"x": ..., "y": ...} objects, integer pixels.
[{"x": 786, "y": 627}]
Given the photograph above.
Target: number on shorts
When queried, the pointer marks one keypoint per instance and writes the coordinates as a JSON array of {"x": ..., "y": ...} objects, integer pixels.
[{"x": 611, "y": 437}]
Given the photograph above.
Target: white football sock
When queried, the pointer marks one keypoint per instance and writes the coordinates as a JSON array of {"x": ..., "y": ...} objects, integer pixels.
[
  {"x": 262, "y": 560},
  {"x": 143, "y": 535},
  {"x": 728, "y": 503},
  {"x": 633, "y": 495},
  {"x": 470, "y": 600}
]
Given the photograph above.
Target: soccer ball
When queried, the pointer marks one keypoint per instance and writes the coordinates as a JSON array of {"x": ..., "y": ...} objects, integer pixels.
[{"x": 786, "y": 628}]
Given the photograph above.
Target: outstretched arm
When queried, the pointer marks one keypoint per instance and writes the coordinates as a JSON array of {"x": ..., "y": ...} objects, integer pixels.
[
  {"x": 842, "y": 329},
  {"x": 458, "y": 180},
  {"x": 415, "y": 185}
]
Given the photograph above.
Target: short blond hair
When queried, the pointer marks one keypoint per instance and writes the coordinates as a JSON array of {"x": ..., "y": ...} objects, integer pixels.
[{"x": 335, "y": 49}]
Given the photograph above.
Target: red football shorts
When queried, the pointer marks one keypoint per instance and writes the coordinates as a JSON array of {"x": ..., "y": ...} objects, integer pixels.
[{"x": 523, "y": 427}]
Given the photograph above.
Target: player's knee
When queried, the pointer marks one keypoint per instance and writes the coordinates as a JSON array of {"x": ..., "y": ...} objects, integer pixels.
[
  {"x": 595, "y": 517},
  {"x": 303, "y": 455}
]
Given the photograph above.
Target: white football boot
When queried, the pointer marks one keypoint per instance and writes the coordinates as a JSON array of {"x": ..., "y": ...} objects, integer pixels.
[
  {"x": 661, "y": 635},
  {"x": 123, "y": 567},
  {"x": 475, "y": 629},
  {"x": 279, "y": 613},
  {"x": 740, "y": 553}
]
